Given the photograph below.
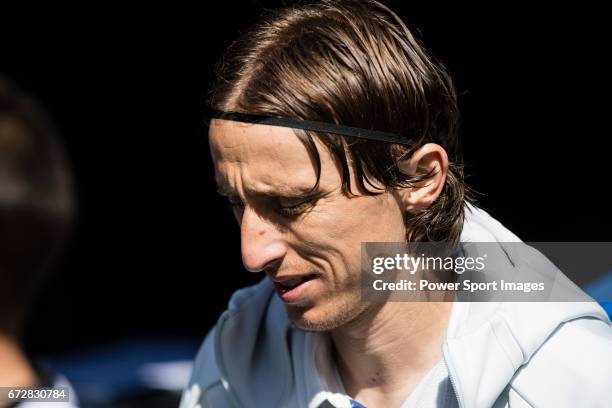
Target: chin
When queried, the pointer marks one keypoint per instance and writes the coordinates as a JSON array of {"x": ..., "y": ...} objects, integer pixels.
[{"x": 327, "y": 316}]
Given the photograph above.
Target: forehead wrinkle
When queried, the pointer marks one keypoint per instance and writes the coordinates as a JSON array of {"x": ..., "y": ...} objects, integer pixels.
[
  {"x": 274, "y": 164},
  {"x": 282, "y": 190},
  {"x": 280, "y": 179},
  {"x": 229, "y": 181}
]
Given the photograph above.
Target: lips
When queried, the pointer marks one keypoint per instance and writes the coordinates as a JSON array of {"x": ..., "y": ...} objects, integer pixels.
[{"x": 292, "y": 289}]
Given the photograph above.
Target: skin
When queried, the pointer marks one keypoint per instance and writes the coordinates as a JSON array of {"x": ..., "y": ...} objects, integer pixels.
[
  {"x": 381, "y": 351},
  {"x": 15, "y": 371}
]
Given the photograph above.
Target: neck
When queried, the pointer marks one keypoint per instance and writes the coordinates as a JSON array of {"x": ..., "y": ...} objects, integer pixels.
[
  {"x": 15, "y": 370},
  {"x": 383, "y": 355}
]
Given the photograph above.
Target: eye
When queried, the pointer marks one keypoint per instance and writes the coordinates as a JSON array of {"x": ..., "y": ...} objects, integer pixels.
[{"x": 294, "y": 207}]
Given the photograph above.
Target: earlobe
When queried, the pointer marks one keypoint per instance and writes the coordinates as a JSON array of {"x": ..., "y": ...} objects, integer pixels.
[{"x": 428, "y": 166}]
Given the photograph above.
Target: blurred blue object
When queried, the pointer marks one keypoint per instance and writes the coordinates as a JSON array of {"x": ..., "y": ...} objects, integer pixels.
[
  {"x": 108, "y": 373},
  {"x": 601, "y": 291}
]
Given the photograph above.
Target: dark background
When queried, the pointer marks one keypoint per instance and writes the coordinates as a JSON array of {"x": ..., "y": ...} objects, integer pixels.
[{"x": 156, "y": 251}]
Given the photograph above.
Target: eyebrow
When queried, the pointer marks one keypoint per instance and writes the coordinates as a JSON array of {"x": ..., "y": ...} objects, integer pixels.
[{"x": 299, "y": 191}]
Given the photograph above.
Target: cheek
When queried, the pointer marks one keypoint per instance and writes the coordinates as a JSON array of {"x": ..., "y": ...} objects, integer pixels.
[
  {"x": 332, "y": 233},
  {"x": 368, "y": 219}
]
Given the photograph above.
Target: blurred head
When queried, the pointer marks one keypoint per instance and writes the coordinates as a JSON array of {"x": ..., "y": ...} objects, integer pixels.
[
  {"x": 36, "y": 203},
  {"x": 306, "y": 201}
]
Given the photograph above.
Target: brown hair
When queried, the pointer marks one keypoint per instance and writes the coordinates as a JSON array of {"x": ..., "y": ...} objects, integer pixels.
[{"x": 352, "y": 62}]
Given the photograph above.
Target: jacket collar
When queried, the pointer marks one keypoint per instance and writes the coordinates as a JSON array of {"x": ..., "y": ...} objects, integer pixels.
[{"x": 251, "y": 348}]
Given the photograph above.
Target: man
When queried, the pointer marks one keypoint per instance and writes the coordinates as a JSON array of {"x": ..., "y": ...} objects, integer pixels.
[
  {"x": 36, "y": 217},
  {"x": 332, "y": 127}
]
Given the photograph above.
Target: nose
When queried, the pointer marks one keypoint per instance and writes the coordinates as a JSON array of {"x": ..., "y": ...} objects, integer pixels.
[{"x": 260, "y": 240}]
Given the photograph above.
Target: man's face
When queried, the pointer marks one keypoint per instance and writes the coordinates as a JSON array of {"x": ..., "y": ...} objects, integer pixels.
[{"x": 309, "y": 244}]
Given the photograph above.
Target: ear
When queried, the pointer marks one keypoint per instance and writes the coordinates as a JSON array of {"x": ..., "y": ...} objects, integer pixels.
[{"x": 430, "y": 157}]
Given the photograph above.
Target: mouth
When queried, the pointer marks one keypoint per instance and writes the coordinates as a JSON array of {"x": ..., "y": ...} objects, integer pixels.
[{"x": 293, "y": 289}]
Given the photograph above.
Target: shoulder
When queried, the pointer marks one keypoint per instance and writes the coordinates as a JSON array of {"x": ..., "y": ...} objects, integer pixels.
[{"x": 572, "y": 368}]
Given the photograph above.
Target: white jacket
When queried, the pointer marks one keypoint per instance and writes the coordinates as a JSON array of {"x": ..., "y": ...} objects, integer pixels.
[{"x": 505, "y": 354}]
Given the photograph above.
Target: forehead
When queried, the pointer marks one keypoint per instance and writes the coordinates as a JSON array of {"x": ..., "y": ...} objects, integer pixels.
[{"x": 262, "y": 158}]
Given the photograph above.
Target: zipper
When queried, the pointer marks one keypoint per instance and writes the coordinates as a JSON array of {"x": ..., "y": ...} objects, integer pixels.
[{"x": 452, "y": 375}]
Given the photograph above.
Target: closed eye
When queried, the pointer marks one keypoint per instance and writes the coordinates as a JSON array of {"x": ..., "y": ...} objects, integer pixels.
[
  {"x": 291, "y": 208},
  {"x": 284, "y": 206}
]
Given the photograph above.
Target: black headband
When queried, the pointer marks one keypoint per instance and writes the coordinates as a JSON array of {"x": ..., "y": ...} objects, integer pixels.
[{"x": 311, "y": 125}]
